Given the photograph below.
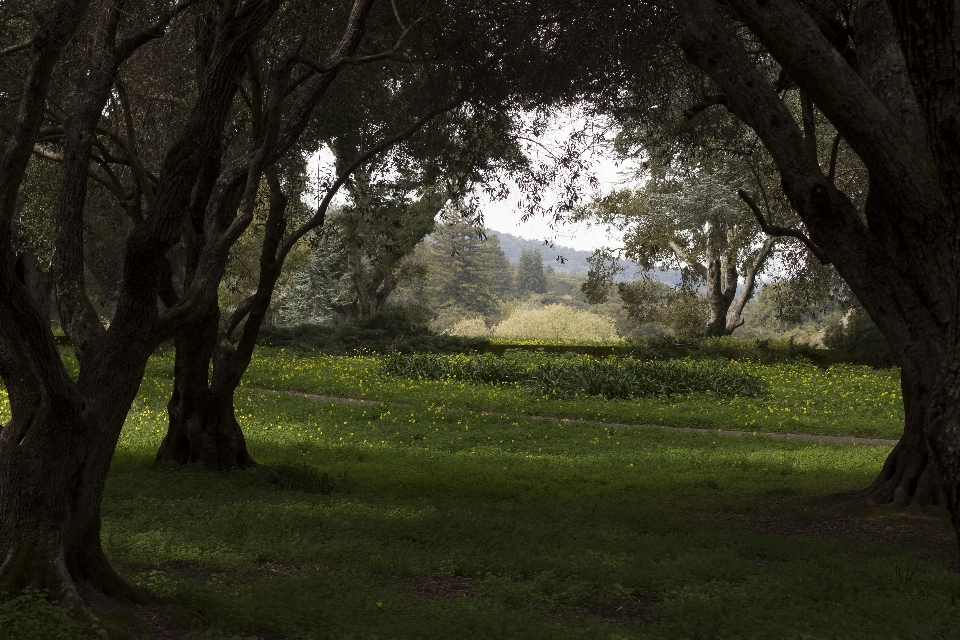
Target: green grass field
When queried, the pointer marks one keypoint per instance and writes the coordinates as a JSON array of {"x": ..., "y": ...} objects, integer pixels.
[{"x": 447, "y": 512}]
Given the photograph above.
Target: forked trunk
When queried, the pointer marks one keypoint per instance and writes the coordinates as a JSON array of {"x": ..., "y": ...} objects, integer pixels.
[{"x": 202, "y": 423}]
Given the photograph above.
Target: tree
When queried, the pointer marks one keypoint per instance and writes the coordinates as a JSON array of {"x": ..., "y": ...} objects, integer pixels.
[
  {"x": 381, "y": 226},
  {"x": 319, "y": 288},
  {"x": 884, "y": 76},
  {"x": 530, "y": 275},
  {"x": 696, "y": 223},
  {"x": 459, "y": 277},
  {"x": 56, "y": 450}
]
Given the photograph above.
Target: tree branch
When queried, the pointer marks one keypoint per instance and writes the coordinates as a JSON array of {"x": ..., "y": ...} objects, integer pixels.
[
  {"x": 344, "y": 175},
  {"x": 869, "y": 128},
  {"x": 692, "y": 112},
  {"x": 682, "y": 253},
  {"x": 773, "y": 230},
  {"x": 750, "y": 282},
  {"x": 834, "y": 152}
]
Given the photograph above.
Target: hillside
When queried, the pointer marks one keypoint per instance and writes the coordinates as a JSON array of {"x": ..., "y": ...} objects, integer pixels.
[{"x": 574, "y": 262}]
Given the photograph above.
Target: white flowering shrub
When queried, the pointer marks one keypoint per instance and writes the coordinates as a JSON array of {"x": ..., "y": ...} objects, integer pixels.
[
  {"x": 557, "y": 322},
  {"x": 470, "y": 328}
]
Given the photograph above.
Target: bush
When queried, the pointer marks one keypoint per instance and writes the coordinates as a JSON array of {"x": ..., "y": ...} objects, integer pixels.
[
  {"x": 569, "y": 375},
  {"x": 470, "y": 328},
  {"x": 861, "y": 338},
  {"x": 557, "y": 322},
  {"x": 392, "y": 330},
  {"x": 31, "y": 615}
]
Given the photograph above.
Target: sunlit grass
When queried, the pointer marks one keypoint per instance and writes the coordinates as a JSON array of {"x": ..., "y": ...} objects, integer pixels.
[
  {"x": 553, "y": 529},
  {"x": 844, "y": 400},
  {"x": 553, "y": 525}
]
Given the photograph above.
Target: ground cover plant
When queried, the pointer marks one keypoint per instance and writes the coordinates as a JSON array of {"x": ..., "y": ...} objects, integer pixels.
[
  {"x": 430, "y": 521},
  {"x": 573, "y": 375},
  {"x": 433, "y": 523},
  {"x": 798, "y": 397}
]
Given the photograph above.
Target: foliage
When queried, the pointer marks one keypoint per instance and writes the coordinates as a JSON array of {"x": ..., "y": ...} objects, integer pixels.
[
  {"x": 530, "y": 275},
  {"x": 319, "y": 288},
  {"x": 390, "y": 330},
  {"x": 571, "y": 375},
  {"x": 386, "y": 218},
  {"x": 781, "y": 309},
  {"x": 467, "y": 270},
  {"x": 470, "y": 328},
  {"x": 556, "y": 322},
  {"x": 31, "y": 615},
  {"x": 859, "y": 335},
  {"x": 683, "y": 311},
  {"x": 523, "y": 528},
  {"x": 799, "y": 397}
]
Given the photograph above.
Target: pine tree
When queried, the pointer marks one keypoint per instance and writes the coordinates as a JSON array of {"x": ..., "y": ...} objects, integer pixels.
[
  {"x": 320, "y": 287},
  {"x": 530, "y": 275},
  {"x": 465, "y": 269}
]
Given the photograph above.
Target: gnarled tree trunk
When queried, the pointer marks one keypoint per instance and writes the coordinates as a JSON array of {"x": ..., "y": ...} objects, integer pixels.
[
  {"x": 202, "y": 424},
  {"x": 908, "y": 475}
]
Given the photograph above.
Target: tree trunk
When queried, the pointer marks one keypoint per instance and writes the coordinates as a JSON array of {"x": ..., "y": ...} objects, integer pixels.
[
  {"x": 202, "y": 422},
  {"x": 202, "y": 419},
  {"x": 719, "y": 298},
  {"x": 51, "y": 486},
  {"x": 908, "y": 476}
]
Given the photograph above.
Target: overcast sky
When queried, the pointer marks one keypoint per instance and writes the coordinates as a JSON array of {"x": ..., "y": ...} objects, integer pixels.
[{"x": 504, "y": 215}]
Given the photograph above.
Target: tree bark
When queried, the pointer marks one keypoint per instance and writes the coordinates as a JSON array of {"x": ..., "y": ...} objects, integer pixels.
[
  {"x": 202, "y": 424},
  {"x": 901, "y": 261},
  {"x": 908, "y": 475},
  {"x": 719, "y": 297},
  {"x": 202, "y": 418}
]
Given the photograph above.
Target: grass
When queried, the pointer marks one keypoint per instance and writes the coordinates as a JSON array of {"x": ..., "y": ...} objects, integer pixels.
[
  {"x": 844, "y": 400},
  {"x": 433, "y": 519}
]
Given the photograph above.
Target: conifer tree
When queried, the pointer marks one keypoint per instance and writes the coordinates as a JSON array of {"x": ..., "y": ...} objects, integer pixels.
[{"x": 530, "y": 275}]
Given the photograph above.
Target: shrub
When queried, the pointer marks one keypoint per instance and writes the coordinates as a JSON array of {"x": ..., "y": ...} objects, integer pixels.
[
  {"x": 568, "y": 375},
  {"x": 557, "y": 322},
  {"x": 861, "y": 338},
  {"x": 470, "y": 328},
  {"x": 391, "y": 330}
]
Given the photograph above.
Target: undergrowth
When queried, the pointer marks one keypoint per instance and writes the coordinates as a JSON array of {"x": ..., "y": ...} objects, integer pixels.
[{"x": 572, "y": 375}]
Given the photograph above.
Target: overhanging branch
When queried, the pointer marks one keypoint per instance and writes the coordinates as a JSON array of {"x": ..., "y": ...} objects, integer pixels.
[
  {"x": 773, "y": 230},
  {"x": 692, "y": 112}
]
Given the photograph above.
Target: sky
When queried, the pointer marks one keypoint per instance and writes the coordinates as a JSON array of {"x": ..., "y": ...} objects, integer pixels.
[{"x": 504, "y": 215}]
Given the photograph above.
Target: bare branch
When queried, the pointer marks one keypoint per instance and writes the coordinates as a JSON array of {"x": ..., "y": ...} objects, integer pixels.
[
  {"x": 834, "y": 151},
  {"x": 128, "y": 46},
  {"x": 97, "y": 177},
  {"x": 320, "y": 215},
  {"x": 396, "y": 14},
  {"x": 331, "y": 64},
  {"x": 773, "y": 230},
  {"x": 9, "y": 51}
]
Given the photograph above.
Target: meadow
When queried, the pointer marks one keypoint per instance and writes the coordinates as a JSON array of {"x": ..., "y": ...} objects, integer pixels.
[{"x": 445, "y": 510}]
